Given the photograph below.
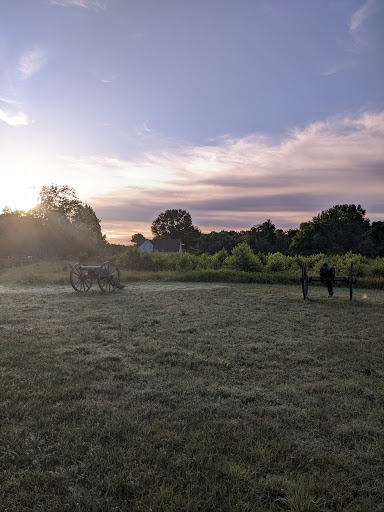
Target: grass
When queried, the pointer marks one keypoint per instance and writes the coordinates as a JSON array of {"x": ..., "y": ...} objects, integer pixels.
[
  {"x": 58, "y": 273},
  {"x": 191, "y": 397}
]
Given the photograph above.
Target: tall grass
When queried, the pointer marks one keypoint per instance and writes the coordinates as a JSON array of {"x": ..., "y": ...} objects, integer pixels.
[
  {"x": 221, "y": 267},
  {"x": 243, "y": 259}
]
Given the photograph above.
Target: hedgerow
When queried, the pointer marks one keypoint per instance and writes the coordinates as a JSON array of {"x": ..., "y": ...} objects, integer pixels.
[{"x": 242, "y": 259}]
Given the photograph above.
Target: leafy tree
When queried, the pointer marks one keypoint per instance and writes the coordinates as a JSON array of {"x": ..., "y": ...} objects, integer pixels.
[
  {"x": 60, "y": 225},
  {"x": 177, "y": 224},
  {"x": 335, "y": 231},
  {"x": 57, "y": 201},
  {"x": 242, "y": 258},
  {"x": 372, "y": 243},
  {"x": 138, "y": 239},
  {"x": 87, "y": 224},
  {"x": 20, "y": 234},
  {"x": 262, "y": 238},
  {"x": 215, "y": 241}
]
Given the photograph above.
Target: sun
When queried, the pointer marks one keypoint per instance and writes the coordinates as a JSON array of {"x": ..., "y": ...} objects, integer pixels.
[{"x": 18, "y": 197}]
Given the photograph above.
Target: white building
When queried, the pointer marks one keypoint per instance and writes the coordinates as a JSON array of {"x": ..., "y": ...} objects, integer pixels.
[{"x": 162, "y": 245}]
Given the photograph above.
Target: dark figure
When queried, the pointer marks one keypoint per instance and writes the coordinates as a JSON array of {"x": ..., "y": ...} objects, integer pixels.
[{"x": 327, "y": 274}]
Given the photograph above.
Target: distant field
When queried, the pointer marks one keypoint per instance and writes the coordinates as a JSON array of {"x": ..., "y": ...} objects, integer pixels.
[{"x": 191, "y": 397}]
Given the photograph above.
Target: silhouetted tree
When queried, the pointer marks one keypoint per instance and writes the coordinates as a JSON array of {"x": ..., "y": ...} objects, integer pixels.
[
  {"x": 60, "y": 225},
  {"x": 138, "y": 239},
  {"x": 58, "y": 202},
  {"x": 262, "y": 238},
  {"x": 214, "y": 241},
  {"x": 335, "y": 231},
  {"x": 177, "y": 224},
  {"x": 372, "y": 243}
]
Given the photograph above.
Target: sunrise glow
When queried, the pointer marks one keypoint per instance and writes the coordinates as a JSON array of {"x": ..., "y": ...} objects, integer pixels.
[{"x": 259, "y": 113}]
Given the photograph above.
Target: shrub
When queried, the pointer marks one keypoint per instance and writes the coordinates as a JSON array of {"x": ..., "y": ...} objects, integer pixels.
[
  {"x": 314, "y": 261},
  {"x": 377, "y": 267},
  {"x": 186, "y": 262},
  {"x": 219, "y": 258},
  {"x": 242, "y": 258},
  {"x": 205, "y": 261},
  {"x": 276, "y": 262}
]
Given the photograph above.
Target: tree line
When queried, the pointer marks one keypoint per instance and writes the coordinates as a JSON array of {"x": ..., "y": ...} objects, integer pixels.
[
  {"x": 60, "y": 225},
  {"x": 338, "y": 230}
]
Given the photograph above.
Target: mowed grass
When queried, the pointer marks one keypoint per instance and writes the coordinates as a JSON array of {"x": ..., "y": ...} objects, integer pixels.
[{"x": 191, "y": 397}]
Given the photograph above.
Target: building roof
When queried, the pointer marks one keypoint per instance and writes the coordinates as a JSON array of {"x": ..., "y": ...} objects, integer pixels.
[{"x": 166, "y": 245}]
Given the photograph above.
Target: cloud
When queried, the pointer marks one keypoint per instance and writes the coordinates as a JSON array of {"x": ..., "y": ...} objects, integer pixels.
[
  {"x": 15, "y": 120},
  {"x": 30, "y": 63},
  {"x": 368, "y": 8},
  {"x": 239, "y": 182},
  {"x": 356, "y": 40},
  {"x": 143, "y": 129},
  {"x": 10, "y": 101},
  {"x": 84, "y": 4}
]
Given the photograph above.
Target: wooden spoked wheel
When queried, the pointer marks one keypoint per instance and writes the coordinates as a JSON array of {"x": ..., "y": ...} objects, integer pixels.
[
  {"x": 108, "y": 277},
  {"x": 81, "y": 281},
  {"x": 304, "y": 279}
]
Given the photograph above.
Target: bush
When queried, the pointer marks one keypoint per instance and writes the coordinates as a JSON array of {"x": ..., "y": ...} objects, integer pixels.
[
  {"x": 377, "y": 267},
  {"x": 242, "y": 258},
  {"x": 186, "y": 262},
  {"x": 276, "y": 262},
  {"x": 133, "y": 259}
]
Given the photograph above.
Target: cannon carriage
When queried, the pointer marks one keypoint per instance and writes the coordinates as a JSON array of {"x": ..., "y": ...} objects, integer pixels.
[
  {"x": 326, "y": 277},
  {"x": 106, "y": 274}
]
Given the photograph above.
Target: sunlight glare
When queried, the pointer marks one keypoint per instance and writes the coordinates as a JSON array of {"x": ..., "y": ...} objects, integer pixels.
[{"x": 18, "y": 197}]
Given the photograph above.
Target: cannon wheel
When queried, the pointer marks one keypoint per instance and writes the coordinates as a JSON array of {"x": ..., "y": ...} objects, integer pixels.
[
  {"x": 81, "y": 281},
  {"x": 304, "y": 279},
  {"x": 351, "y": 281},
  {"x": 108, "y": 277}
]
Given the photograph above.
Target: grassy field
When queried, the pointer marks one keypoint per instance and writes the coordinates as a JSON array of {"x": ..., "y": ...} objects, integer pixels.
[{"x": 191, "y": 397}]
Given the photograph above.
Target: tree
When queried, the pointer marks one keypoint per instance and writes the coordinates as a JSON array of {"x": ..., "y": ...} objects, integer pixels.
[
  {"x": 335, "y": 231},
  {"x": 372, "y": 243},
  {"x": 60, "y": 225},
  {"x": 138, "y": 239},
  {"x": 242, "y": 258},
  {"x": 57, "y": 201},
  {"x": 87, "y": 225},
  {"x": 177, "y": 224},
  {"x": 214, "y": 241},
  {"x": 262, "y": 238},
  {"x": 20, "y": 234}
]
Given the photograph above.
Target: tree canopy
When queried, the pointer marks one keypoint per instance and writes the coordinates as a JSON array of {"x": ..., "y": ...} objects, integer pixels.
[
  {"x": 177, "y": 224},
  {"x": 138, "y": 239},
  {"x": 334, "y": 231},
  {"x": 59, "y": 225}
]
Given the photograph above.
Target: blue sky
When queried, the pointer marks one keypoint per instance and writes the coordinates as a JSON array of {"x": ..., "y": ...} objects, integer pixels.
[{"x": 235, "y": 110}]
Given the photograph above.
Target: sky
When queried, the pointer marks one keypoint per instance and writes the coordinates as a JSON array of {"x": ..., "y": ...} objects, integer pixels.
[{"x": 237, "y": 111}]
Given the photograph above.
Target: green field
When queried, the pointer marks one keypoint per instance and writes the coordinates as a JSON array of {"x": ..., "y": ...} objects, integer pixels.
[{"x": 191, "y": 397}]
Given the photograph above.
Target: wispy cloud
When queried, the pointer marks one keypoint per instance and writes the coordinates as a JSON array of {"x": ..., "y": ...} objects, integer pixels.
[
  {"x": 31, "y": 62},
  {"x": 143, "y": 129},
  {"x": 84, "y": 4},
  {"x": 368, "y": 8},
  {"x": 14, "y": 119},
  {"x": 10, "y": 101},
  {"x": 355, "y": 41},
  {"x": 241, "y": 182}
]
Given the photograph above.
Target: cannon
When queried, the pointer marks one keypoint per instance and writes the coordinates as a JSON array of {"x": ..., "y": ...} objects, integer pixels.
[
  {"x": 327, "y": 277},
  {"x": 107, "y": 275}
]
